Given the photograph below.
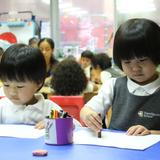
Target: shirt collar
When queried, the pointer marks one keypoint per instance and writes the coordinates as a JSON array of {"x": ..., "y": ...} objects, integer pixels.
[
  {"x": 147, "y": 89},
  {"x": 38, "y": 96}
]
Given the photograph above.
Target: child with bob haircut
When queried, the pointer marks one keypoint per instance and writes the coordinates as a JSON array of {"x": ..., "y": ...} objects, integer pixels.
[
  {"x": 135, "y": 98},
  {"x": 86, "y": 59},
  {"x": 99, "y": 73},
  {"x": 23, "y": 71}
]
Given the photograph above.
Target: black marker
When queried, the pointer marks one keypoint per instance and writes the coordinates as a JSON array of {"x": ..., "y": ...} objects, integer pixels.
[{"x": 99, "y": 133}]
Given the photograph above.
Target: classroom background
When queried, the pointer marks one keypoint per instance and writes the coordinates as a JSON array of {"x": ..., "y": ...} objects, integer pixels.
[{"x": 74, "y": 25}]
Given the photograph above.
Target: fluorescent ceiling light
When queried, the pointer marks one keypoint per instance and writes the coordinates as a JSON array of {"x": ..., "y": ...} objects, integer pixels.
[
  {"x": 135, "y": 6},
  {"x": 65, "y": 5},
  {"x": 72, "y": 9},
  {"x": 46, "y": 1},
  {"x": 78, "y": 13}
]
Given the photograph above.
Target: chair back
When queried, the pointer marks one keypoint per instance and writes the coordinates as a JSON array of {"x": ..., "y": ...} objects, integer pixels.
[
  {"x": 70, "y": 104},
  {"x": 2, "y": 97}
]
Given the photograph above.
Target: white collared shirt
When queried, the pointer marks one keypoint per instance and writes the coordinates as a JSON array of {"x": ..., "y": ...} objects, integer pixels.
[
  {"x": 87, "y": 71},
  {"x": 31, "y": 114},
  {"x": 144, "y": 90}
]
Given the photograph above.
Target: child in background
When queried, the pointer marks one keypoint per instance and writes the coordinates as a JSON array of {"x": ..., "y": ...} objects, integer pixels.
[
  {"x": 102, "y": 69},
  {"x": 69, "y": 78},
  {"x": 1, "y": 88},
  {"x": 1, "y": 52},
  {"x": 99, "y": 73},
  {"x": 33, "y": 42},
  {"x": 135, "y": 98},
  {"x": 86, "y": 61},
  {"x": 23, "y": 71}
]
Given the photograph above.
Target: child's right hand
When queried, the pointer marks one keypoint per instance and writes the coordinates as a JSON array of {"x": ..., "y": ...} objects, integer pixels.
[
  {"x": 91, "y": 119},
  {"x": 40, "y": 125}
]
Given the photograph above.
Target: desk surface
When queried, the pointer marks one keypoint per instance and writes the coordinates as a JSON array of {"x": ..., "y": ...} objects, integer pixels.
[{"x": 21, "y": 149}]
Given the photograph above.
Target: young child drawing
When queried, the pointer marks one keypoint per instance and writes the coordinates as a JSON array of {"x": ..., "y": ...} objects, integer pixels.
[
  {"x": 135, "y": 98},
  {"x": 23, "y": 71}
]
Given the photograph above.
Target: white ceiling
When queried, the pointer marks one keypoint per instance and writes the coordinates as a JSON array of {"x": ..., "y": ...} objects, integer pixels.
[
  {"x": 37, "y": 7},
  {"x": 41, "y": 9}
]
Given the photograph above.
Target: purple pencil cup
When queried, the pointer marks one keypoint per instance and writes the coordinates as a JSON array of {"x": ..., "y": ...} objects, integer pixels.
[{"x": 59, "y": 131}]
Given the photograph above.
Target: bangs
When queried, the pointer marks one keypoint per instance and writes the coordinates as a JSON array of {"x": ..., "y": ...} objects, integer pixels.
[
  {"x": 131, "y": 48},
  {"x": 12, "y": 72},
  {"x": 137, "y": 38},
  {"x": 22, "y": 64}
]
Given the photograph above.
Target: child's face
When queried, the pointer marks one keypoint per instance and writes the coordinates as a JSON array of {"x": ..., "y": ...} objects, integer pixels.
[
  {"x": 96, "y": 75},
  {"x": 20, "y": 92},
  {"x": 141, "y": 70},
  {"x": 85, "y": 62},
  {"x": 46, "y": 50}
]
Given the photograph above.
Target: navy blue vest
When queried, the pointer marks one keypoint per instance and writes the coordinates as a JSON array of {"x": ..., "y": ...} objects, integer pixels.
[{"x": 129, "y": 109}]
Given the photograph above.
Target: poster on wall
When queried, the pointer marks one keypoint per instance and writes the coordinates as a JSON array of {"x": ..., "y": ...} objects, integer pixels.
[{"x": 16, "y": 32}]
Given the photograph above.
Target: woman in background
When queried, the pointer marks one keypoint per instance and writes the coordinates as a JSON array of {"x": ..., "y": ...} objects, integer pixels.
[{"x": 47, "y": 46}]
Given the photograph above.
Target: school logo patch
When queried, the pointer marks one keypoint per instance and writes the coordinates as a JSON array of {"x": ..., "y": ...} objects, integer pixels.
[
  {"x": 140, "y": 114},
  {"x": 145, "y": 114}
]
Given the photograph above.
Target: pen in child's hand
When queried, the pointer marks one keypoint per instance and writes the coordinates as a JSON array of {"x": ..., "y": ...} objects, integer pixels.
[{"x": 99, "y": 133}]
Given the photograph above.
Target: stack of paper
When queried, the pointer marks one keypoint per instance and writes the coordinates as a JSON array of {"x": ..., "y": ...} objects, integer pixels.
[
  {"x": 86, "y": 137},
  {"x": 20, "y": 131},
  {"x": 115, "y": 139}
]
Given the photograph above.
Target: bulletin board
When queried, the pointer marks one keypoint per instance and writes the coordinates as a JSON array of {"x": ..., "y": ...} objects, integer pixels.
[{"x": 21, "y": 31}]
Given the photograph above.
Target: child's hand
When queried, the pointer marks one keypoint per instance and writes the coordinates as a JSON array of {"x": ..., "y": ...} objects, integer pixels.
[
  {"x": 138, "y": 130},
  {"x": 91, "y": 119},
  {"x": 40, "y": 125}
]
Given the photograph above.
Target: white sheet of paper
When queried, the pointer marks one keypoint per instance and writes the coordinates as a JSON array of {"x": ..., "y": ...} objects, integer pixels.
[
  {"x": 20, "y": 131},
  {"x": 115, "y": 139}
]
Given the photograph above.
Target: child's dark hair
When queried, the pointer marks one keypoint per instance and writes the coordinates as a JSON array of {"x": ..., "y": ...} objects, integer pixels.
[
  {"x": 137, "y": 37},
  {"x": 33, "y": 40},
  {"x": 1, "y": 51},
  {"x": 102, "y": 60},
  {"x": 21, "y": 62},
  {"x": 69, "y": 78},
  {"x": 87, "y": 54}
]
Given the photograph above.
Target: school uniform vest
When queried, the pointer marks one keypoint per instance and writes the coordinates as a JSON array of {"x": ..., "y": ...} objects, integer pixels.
[{"x": 129, "y": 109}]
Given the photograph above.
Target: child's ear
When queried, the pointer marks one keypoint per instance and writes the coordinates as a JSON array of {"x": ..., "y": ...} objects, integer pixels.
[{"x": 39, "y": 86}]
